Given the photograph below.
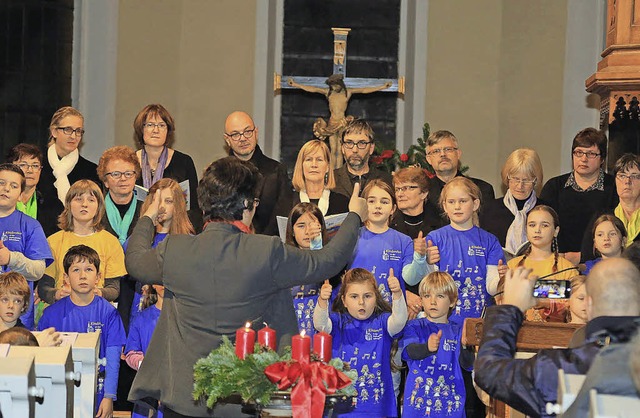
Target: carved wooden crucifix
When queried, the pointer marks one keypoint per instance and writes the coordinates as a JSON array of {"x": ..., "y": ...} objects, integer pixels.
[{"x": 338, "y": 89}]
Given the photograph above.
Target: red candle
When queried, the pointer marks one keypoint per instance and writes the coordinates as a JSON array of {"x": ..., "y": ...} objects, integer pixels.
[
  {"x": 245, "y": 339},
  {"x": 267, "y": 337},
  {"x": 322, "y": 343},
  {"x": 301, "y": 348}
]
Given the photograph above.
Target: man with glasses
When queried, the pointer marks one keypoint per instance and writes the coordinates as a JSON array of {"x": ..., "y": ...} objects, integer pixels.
[
  {"x": 357, "y": 146},
  {"x": 577, "y": 196},
  {"x": 241, "y": 137},
  {"x": 32, "y": 201},
  {"x": 444, "y": 154}
]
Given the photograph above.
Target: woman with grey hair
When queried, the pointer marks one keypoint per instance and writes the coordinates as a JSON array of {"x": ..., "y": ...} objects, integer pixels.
[{"x": 506, "y": 217}]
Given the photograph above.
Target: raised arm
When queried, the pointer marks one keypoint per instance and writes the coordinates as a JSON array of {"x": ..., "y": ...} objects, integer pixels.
[
  {"x": 310, "y": 89},
  {"x": 365, "y": 90}
]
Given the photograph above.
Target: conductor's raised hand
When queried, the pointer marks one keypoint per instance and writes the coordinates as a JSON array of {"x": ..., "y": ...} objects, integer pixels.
[
  {"x": 358, "y": 204},
  {"x": 154, "y": 207},
  {"x": 433, "y": 253},
  {"x": 394, "y": 285},
  {"x": 518, "y": 288},
  {"x": 420, "y": 245}
]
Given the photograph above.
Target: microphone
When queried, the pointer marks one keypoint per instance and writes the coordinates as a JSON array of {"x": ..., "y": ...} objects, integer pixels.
[{"x": 580, "y": 268}]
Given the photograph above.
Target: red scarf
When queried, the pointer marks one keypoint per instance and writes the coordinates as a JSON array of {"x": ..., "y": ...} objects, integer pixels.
[{"x": 238, "y": 224}]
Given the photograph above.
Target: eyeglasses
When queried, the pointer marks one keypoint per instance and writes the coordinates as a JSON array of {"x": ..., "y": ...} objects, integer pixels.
[
  {"x": 68, "y": 130},
  {"x": 445, "y": 150},
  {"x": 359, "y": 144},
  {"x": 405, "y": 188},
  {"x": 151, "y": 126},
  {"x": 24, "y": 167},
  {"x": 590, "y": 154},
  {"x": 624, "y": 177},
  {"x": 117, "y": 174},
  {"x": 236, "y": 136},
  {"x": 524, "y": 182}
]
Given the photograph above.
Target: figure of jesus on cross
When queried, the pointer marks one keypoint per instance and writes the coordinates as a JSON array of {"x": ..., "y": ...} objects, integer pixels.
[
  {"x": 337, "y": 93},
  {"x": 338, "y": 96}
]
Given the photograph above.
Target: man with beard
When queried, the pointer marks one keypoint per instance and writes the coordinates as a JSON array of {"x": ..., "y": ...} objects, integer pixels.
[
  {"x": 444, "y": 154},
  {"x": 357, "y": 146}
]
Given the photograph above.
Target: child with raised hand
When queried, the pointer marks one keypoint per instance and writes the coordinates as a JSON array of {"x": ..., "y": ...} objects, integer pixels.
[
  {"x": 381, "y": 248},
  {"x": 577, "y": 312},
  {"x": 470, "y": 254},
  {"x": 609, "y": 238},
  {"x": 84, "y": 311},
  {"x": 306, "y": 230},
  {"x": 434, "y": 385},
  {"x": 543, "y": 259},
  {"x": 143, "y": 325},
  {"x": 363, "y": 326}
]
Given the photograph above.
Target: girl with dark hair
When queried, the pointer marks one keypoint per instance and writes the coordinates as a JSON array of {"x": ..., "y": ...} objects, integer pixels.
[
  {"x": 306, "y": 230},
  {"x": 609, "y": 238},
  {"x": 542, "y": 258},
  {"x": 363, "y": 326}
]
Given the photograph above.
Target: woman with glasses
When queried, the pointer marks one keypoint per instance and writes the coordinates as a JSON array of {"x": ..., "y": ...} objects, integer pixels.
[
  {"x": 627, "y": 179},
  {"x": 63, "y": 164},
  {"x": 32, "y": 201},
  {"x": 313, "y": 181},
  {"x": 577, "y": 196},
  {"x": 506, "y": 217},
  {"x": 414, "y": 214},
  {"x": 153, "y": 134}
]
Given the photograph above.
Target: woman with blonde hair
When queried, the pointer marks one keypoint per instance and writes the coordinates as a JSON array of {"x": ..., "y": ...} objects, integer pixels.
[
  {"x": 63, "y": 165},
  {"x": 313, "y": 181},
  {"x": 81, "y": 223},
  {"x": 506, "y": 216}
]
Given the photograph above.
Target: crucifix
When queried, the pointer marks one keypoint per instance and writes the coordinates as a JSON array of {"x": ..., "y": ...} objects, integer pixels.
[{"x": 338, "y": 89}]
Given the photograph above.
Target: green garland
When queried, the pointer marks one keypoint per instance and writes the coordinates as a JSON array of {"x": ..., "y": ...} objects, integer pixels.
[{"x": 221, "y": 374}]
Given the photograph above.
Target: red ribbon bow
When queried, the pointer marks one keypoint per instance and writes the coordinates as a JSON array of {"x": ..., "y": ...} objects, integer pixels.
[{"x": 315, "y": 379}]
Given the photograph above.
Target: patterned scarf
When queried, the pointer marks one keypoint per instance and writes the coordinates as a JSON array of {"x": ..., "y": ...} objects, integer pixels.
[
  {"x": 517, "y": 233},
  {"x": 147, "y": 179}
]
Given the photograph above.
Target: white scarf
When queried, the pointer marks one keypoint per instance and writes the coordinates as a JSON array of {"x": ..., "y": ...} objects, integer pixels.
[
  {"x": 323, "y": 203},
  {"x": 61, "y": 169},
  {"x": 517, "y": 233}
]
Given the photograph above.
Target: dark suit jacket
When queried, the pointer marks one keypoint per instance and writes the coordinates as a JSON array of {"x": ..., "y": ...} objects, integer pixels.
[
  {"x": 274, "y": 188},
  {"x": 345, "y": 186},
  {"x": 214, "y": 283}
]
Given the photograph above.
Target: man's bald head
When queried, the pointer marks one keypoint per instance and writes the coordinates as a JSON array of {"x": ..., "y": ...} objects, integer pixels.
[
  {"x": 241, "y": 134},
  {"x": 613, "y": 289}
]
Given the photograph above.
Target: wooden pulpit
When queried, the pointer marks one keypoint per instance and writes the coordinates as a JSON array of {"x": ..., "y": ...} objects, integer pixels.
[
  {"x": 617, "y": 79},
  {"x": 533, "y": 336}
]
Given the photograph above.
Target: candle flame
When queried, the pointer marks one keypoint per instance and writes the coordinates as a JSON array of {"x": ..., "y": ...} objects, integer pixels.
[
  {"x": 265, "y": 325},
  {"x": 302, "y": 333},
  {"x": 247, "y": 325}
]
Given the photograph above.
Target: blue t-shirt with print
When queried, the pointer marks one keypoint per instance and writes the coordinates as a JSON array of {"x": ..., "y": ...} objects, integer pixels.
[{"x": 465, "y": 255}]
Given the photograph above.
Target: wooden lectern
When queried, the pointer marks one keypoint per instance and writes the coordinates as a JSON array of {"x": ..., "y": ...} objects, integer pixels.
[{"x": 533, "y": 336}]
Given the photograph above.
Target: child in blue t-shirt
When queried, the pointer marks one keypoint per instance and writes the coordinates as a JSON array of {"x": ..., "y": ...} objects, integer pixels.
[
  {"x": 470, "y": 254},
  {"x": 143, "y": 325},
  {"x": 363, "y": 326},
  {"x": 381, "y": 248},
  {"x": 23, "y": 245},
  {"x": 431, "y": 347},
  {"x": 306, "y": 230},
  {"x": 84, "y": 311}
]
